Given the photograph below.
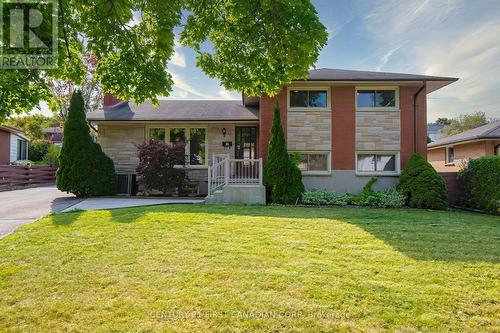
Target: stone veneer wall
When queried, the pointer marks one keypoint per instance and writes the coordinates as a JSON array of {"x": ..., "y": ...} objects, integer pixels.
[
  {"x": 119, "y": 143},
  {"x": 378, "y": 130},
  {"x": 215, "y": 139},
  {"x": 309, "y": 130}
]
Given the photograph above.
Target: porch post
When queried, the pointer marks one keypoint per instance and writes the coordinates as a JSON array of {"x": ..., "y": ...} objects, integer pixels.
[
  {"x": 209, "y": 180},
  {"x": 226, "y": 171}
]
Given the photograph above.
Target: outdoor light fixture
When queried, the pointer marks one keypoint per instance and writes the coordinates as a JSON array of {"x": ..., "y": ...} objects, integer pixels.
[{"x": 224, "y": 132}]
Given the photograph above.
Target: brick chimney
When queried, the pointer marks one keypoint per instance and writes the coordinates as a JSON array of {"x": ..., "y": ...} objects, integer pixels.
[{"x": 110, "y": 100}]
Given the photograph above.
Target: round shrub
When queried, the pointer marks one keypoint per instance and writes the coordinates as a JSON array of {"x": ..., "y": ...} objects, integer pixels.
[
  {"x": 481, "y": 181},
  {"x": 422, "y": 185},
  {"x": 37, "y": 149},
  {"x": 84, "y": 169}
]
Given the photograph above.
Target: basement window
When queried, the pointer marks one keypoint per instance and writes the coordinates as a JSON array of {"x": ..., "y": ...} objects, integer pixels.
[
  {"x": 377, "y": 163},
  {"x": 316, "y": 162}
]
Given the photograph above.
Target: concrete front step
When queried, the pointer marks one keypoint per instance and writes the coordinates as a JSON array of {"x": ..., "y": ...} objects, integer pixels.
[{"x": 239, "y": 194}]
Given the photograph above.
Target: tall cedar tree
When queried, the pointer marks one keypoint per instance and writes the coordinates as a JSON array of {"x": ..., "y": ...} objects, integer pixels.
[
  {"x": 422, "y": 185},
  {"x": 282, "y": 178},
  {"x": 84, "y": 169}
]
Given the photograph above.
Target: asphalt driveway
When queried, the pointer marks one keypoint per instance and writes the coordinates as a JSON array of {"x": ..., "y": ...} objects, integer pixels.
[{"x": 28, "y": 205}]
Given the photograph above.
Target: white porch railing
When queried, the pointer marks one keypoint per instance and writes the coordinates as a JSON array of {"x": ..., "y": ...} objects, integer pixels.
[{"x": 234, "y": 172}]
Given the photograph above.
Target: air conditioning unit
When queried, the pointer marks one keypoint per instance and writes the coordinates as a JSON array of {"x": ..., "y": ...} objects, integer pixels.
[{"x": 126, "y": 184}]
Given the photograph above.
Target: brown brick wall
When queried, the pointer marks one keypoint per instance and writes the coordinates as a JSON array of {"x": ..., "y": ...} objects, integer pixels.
[
  {"x": 463, "y": 152},
  {"x": 343, "y": 127},
  {"x": 266, "y": 112},
  {"x": 407, "y": 121}
]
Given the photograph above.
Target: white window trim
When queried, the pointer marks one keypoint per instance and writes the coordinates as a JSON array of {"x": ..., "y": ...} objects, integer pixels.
[
  {"x": 395, "y": 108},
  {"x": 447, "y": 156},
  {"x": 188, "y": 139},
  {"x": 379, "y": 173},
  {"x": 309, "y": 109},
  {"x": 328, "y": 170}
]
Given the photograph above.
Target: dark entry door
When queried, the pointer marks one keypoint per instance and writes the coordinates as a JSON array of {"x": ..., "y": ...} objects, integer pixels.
[{"x": 245, "y": 142}]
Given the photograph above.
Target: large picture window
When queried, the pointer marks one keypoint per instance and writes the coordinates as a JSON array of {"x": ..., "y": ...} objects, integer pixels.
[
  {"x": 377, "y": 163},
  {"x": 308, "y": 98},
  {"x": 376, "y": 98},
  {"x": 197, "y": 146},
  {"x": 194, "y": 139}
]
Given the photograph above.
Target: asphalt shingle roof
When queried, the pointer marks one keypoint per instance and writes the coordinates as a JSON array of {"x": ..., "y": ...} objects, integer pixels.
[
  {"x": 180, "y": 110},
  {"x": 330, "y": 74}
]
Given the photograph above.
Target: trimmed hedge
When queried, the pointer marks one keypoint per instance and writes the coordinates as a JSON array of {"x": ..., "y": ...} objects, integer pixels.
[
  {"x": 481, "y": 181},
  {"x": 422, "y": 185}
]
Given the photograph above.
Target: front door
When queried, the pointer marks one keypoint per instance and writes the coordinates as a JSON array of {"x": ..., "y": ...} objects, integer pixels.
[{"x": 246, "y": 142}]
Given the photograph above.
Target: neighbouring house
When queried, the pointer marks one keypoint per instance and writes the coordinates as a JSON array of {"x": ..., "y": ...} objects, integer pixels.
[
  {"x": 347, "y": 126},
  {"x": 434, "y": 131},
  {"x": 450, "y": 153},
  {"x": 13, "y": 145},
  {"x": 54, "y": 135}
]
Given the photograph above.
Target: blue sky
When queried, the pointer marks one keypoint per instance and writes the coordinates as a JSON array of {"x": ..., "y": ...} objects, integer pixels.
[{"x": 436, "y": 37}]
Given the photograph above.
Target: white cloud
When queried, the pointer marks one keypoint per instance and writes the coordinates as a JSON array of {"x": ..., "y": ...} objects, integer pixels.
[
  {"x": 178, "y": 58},
  {"x": 385, "y": 58},
  {"x": 228, "y": 95},
  {"x": 443, "y": 38},
  {"x": 185, "y": 90}
]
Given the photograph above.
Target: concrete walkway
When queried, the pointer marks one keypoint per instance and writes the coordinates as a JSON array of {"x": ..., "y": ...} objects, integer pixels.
[
  {"x": 110, "y": 203},
  {"x": 28, "y": 205}
]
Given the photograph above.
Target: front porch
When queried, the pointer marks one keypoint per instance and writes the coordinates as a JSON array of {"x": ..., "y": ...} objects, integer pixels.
[{"x": 236, "y": 181}]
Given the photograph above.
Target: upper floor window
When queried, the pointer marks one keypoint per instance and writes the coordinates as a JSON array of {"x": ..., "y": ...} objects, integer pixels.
[
  {"x": 312, "y": 99},
  {"x": 370, "y": 99}
]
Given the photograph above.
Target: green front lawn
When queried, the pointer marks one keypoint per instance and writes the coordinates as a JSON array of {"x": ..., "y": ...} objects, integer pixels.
[{"x": 226, "y": 268}]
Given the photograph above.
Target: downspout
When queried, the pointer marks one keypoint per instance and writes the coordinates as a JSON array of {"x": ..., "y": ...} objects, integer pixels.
[{"x": 424, "y": 83}]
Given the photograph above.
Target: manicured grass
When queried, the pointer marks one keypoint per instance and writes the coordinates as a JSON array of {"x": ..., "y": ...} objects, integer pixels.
[{"x": 218, "y": 268}]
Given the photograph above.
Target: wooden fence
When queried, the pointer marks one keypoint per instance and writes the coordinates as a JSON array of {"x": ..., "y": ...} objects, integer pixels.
[
  {"x": 455, "y": 190},
  {"x": 12, "y": 176}
]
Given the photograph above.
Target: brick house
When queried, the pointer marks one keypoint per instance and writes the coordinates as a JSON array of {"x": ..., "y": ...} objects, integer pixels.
[
  {"x": 450, "y": 153},
  {"x": 346, "y": 125}
]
